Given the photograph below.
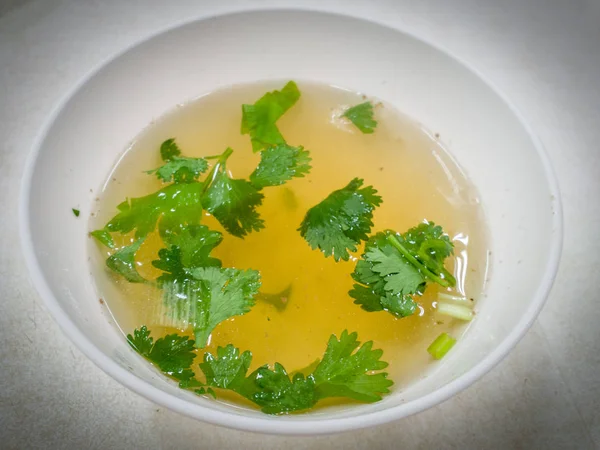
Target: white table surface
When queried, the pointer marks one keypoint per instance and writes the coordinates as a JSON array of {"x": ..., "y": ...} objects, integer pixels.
[{"x": 544, "y": 54}]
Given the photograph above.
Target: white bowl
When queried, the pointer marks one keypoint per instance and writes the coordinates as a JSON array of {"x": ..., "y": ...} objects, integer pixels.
[{"x": 95, "y": 123}]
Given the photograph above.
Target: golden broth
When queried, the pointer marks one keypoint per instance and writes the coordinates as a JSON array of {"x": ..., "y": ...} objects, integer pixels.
[{"x": 306, "y": 295}]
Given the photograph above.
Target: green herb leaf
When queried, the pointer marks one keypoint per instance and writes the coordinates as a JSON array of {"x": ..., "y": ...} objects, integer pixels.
[
  {"x": 259, "y": 120},
  {"x": 399, "y": 305},
  {"x": 141, "y": 341},
  {"x": 369, "y": 297},
  {"x": 340, "y": 222},
  {"x": 346, "y": 370},
  {"x": 276, "y": 393},
  {"x": 177, "y": 204},
  {"x": 181, "y": 169},
  {"x": 386, "y": 279},
  {"x": 228, "y": 369},
  {"x": 169, "y": 150},
  {"x": 233, "y": 202},
  {"x": 205, "y": 296},
  {"x": 400, "y": 276},
  {"x": 188, "y": 247},
  {"x": 172, "y": 354},
  {"x": 395, "y": 267},
  {"x": 279, "y": 164},
  {"x": 104, "y": 237},
  {"x": 223, "y": 293},
  {"x": 428, "y": 243},
  {"x": 362, "y": 117},
  {"x": 123, "y": 262},
  {"x": 343, "y": 371},
  {"x": 76, "y": 212}
]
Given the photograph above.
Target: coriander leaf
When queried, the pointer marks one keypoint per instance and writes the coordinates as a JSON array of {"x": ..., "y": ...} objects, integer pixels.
[
  {"x": 259, "y": 120},
  {"x": 340, "y": 222},
  {"x": 430, "y": 245},
  {"x": 141, "y": 341},
  {"x": 227, "y": 370},
  {"x": 233, "y": 202},
  {"x": 210, "y": 392},
  {"x": 172, "y": 354},
  {"x": 76, "y": 212},
  {"x": 104, "y": 237},
  {"x": 169, "y": 261},
  {"x": 400, "y": 276},
  {"x": 399, "y": 305},
  {"x": 279, "y": 164},
  {"x": 385, "y": 279},
  {"x": 177, "y": 204},
  {"x": 196, "y": 242},
  {"x": 272, "y": 390},
  {"x": 196, "y": 290},
  {"x": 428, "y": 260},
  {"x": 343, "y": 371},
  {"x": 123, "y": 262},
  {"x": 396, "y": 266},
  {"x": 368, "y": 297},
  {"x": 186, "y": 377},
  {"x": 362, "y": 117},
  {"x": 188, "y": 247},
  {"x": 180, "y": 169},
  {"x": 211, "y": 296},
  {"x": 169, "y": 150},
  {"x": 275, "y": 393}
]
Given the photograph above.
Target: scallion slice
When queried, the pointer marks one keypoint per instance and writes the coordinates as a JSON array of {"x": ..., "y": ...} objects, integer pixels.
[
  {"x": 456, "y": 311},
  {"x": 442, "y": 344}
]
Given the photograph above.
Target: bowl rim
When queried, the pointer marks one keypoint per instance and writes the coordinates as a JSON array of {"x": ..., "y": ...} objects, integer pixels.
[{"x": 268, "y": 424}]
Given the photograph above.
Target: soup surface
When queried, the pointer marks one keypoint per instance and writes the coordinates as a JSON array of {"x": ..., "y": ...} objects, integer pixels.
[{"x": 304, "y": 297}]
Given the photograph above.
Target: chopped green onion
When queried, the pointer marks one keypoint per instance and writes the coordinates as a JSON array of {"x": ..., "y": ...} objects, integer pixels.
[
  {"x": 442, "y": 344},
  {"x": 456, "y": 311},
  {"x": 75, "y": 211},
  {"x": 443, "y": 297}
]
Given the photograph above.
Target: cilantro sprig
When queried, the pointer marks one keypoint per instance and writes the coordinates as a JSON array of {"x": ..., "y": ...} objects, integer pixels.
[
  {"x": 342, "y": 221},
  {"x": 172, "y": 354},
  {"x": 233, "y": 202},
  {"x": 187, "y": 248},
  {"x": 259, "y": 120},
  {"x": 362, "y": 117},
  {"x": 173, "y": 205},
  {"x": 218, "y": 294},
  {"x": 395, "y": 267},
  {"x": 123, "y": 262},
  {"x": 346, "y": 370},
  {"x": 197, "y": 292},
  {"x": 279, "y": 164},
  {"x": 177, "y": 168}
]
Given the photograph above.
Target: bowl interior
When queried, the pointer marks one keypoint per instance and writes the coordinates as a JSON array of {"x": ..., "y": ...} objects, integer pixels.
[{"x": 95, "y": 124}]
